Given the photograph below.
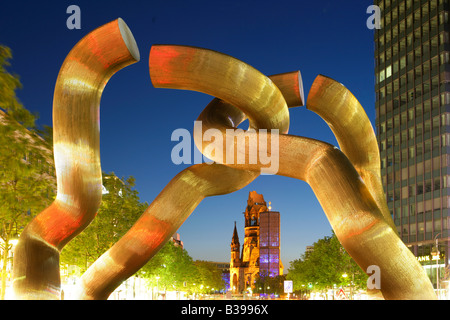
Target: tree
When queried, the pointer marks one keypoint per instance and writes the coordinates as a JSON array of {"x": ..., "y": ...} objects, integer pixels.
[
  {"x": 173, "y": 269},
  {"x": 170, "y": 269},
  {"x": 8, "y": 99},
  {"x": 328, "y": 264},
  {"x": 209, "y": 277},
  {"x": 269, "y": 285},
  {"x": 119, "y": 210},
  {"x": 27, "y": 175}
]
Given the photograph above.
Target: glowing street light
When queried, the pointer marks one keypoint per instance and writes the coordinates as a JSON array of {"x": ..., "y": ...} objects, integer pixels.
[{"x": 435, "y": 252}]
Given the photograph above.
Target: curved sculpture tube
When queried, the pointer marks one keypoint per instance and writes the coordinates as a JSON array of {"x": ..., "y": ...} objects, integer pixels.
[
  {"x": 81, "y": 80},
  {"x": 361, "y": 225},
  {"x": 291, "y": 86},
  {"x": 350, "y": 203},
  {"x": 157, "y": 224},
  {"x": 352, "y": 128},
  {"x": 186, "y": 190},
  {"x": 222, "y": 76}
]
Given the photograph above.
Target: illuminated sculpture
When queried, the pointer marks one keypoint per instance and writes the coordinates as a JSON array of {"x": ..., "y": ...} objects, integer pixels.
[
  {"x": 76, "y": 139},
  {"x": 347, "y": 183}
]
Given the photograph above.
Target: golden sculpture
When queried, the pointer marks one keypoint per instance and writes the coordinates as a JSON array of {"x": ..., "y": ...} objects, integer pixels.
[
  {"x": 350, "y": 194},
  {"x": 347, "y": 183},
  {"x": 81, "y": 80}
]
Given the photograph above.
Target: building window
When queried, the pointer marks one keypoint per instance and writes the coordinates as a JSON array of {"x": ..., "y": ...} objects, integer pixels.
[
  {"x": 443, "y": 18},
  {"x": 445, "y": 140},
  {"x": 381, "y": 76},
  {"x": 445, "y": 98},
  {"x": 428, "y": 186},
  {"x": 427, "y": 126},
  {"x": 433, "y": 25},
  {"x": 419, "y": 150},
  {"x": 402, "y": 63},
  {"x": 427, "y": 146},
  {"x": 418, "y": 128},
  {"x": 417, "y": 35},
  {"x": 417, "y": 17},
  {"x": 382, "y": 93},
  {"x": 445, "y": 119},
  {"x": 437, "y": 225},
  {"x": 411, "y": 153},
  {"x": 404, "y": 136},
  {"x": 437, "y": 183},
  {"x": 434, "y": 84},
  {"x": 444, "y": 57},
  {"x": 434, "y": 46},
  {"x": 426, "y": 104},
  {"x": 443, "y": 38}
]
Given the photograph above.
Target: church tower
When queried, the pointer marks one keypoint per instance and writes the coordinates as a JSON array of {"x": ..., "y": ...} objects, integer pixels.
[
  {"x": 235, "y": 249},
  {"x": 235, "y": 263},
  {"x": 261, "y": 248}
]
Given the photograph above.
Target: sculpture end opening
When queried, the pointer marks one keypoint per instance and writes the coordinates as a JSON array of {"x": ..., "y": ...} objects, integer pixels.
[{"x": 129, "y": 40}]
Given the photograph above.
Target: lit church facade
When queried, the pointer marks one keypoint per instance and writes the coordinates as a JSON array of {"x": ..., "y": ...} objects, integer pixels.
[{"x": 261, "y": 248}]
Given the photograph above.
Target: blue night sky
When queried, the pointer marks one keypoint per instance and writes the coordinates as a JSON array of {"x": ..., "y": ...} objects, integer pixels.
[{"x": 137, "y": 120}]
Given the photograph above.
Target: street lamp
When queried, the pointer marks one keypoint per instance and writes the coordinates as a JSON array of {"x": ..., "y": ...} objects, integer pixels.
[
  {"x": 345, "y": 275},
  {"x": 157, "y": 287},
  {"x": 435, "y": 252}
]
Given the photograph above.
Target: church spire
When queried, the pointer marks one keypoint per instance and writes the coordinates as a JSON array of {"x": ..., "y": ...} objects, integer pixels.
[{"x": 235, "y": 239}]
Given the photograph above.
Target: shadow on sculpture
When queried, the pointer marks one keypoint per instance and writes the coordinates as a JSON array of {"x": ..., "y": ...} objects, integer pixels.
[{"x": 346, "y": 182}]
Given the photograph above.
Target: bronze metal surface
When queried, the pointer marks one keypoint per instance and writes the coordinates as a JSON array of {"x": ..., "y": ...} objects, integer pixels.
[
  {"x": 81, "y": 80},
  {"x": 347, "y": 183},
  {"x": 186, "y": 190},
  {"x": 351, "y": 205}
]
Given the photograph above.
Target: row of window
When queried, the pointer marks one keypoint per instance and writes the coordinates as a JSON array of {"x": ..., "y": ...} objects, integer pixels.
[
  {"x": 402, "y": 89},
  {"x": 398, "y": 8},
  {"x": 422, "y": 227},
  {"x": 425, "y": 56},
  {"x": 415, "y": 190},
  {"x": 407, "y": 117},
  {"x": 406, "y": 136},
  {"x": 410, "y": 128},
  {"x": 416, "y": 151},
  {"x": 421, "y": 210},
  {"x": 419, "y": 188},
  {"x": 429, "y": 167},
  {"x": 415, "y": 97},
  {"x": 396, "y": 38},
  {"x": 414, "y": 94},
  {"x": 420, "y": 113}
]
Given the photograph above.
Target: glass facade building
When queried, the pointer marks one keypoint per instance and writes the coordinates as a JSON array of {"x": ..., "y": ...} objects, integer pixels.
[
  {"x": 412, "y": 87},
  {"x": 269, "y": 243}
]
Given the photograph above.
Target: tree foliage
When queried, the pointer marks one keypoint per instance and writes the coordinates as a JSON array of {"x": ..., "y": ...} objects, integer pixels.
[
  {"x": 9, "y": 83},
  {"x": 328, "y": 264},
  {"x": 170, "y": 269},
  {"x": 27, "y": 175},
  {"x": 209, "y": 277},
  {"x": 269, "y": 285},
  {"x": 173, "y": 269}
]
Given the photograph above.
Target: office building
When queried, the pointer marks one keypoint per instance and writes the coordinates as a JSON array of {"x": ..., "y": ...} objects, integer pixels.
[{"x": 412, "y": 87}]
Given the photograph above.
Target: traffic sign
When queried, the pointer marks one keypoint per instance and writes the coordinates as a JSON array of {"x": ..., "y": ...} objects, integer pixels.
[{"x": 288, "y": 286}]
